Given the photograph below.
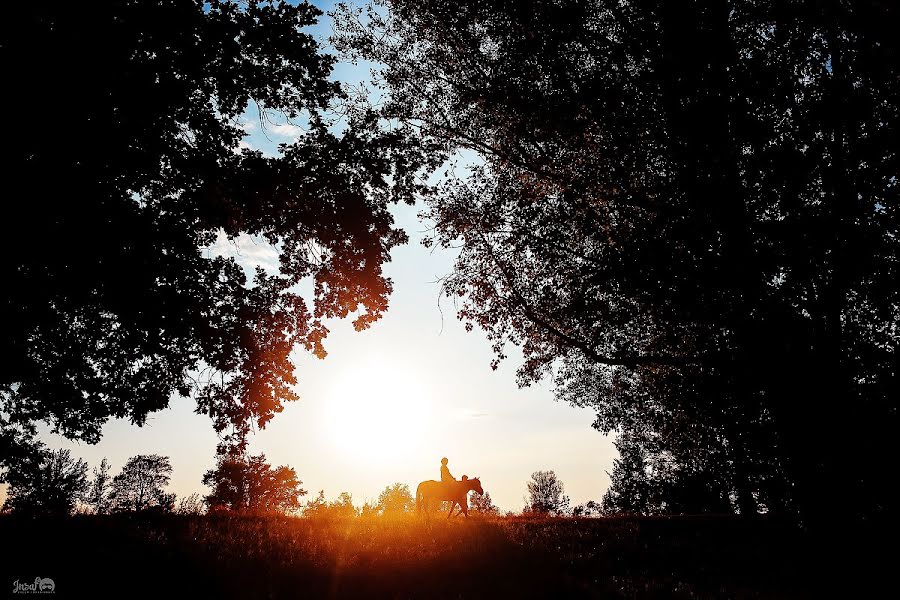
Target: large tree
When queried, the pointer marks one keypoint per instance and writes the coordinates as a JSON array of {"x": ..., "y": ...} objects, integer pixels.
[
  {"x": 46, "y": 483},
  {"x": 141, "y": 485},
  {"x": 250, "y": 484},
  {"x": 685, "y": 214},
  {"x": 124, "y": 164}
]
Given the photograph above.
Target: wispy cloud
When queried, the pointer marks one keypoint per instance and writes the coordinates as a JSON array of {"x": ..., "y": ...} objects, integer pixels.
[
  {"x": 286, "y": 130},
  {"x": 249, "y": 252}
]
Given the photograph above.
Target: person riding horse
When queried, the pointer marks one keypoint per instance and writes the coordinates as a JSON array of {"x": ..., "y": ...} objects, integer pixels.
[{"x": 429, "y": 493}]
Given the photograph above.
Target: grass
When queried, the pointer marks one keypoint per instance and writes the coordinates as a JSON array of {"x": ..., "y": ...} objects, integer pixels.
[{"x": 230, "y": 556}]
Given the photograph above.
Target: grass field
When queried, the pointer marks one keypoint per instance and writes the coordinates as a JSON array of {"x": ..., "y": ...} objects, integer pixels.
[{"x": 227, "y": 556}]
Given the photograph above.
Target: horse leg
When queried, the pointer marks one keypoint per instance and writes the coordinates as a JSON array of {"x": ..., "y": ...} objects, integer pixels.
[{"x": 452, "y": 508}]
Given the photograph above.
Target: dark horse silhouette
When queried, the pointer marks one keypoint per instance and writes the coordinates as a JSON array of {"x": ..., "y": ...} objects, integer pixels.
[{"x": 430, "y": 493}]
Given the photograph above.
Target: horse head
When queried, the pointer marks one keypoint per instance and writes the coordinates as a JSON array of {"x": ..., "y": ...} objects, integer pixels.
[{"x": 475, "y": 485}]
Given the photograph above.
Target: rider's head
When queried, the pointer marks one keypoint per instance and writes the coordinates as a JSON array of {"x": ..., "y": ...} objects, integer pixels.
[{"x": 444, "y": 461}]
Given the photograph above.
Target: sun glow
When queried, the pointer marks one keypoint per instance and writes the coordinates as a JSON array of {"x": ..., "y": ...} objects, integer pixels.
[{"x": 377, "y": 412}]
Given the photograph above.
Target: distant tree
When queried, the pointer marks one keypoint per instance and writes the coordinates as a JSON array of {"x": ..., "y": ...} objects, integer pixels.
[
  {"x": 395, "y": 498},
  {"x": 588, "y": 509},
  {"x": 546, "y": 494},
  {"x": 191, "y": 505},
  {"x": 140, "y": 485},
  {"x": 46, "y": 483},
  {"x": 316, "y": 507},
  {"x": 343, "y": 506},
  {"x": 369, "y": 509},
  {"x": 482, "y": 503},
  {"x": 116, "y": 308},
  {"x": 101, "y": 488},
  {"x": 249, "y": 483}
]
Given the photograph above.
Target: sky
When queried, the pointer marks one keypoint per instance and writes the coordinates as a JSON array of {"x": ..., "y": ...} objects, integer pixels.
[{"x": 387, "y": 403}]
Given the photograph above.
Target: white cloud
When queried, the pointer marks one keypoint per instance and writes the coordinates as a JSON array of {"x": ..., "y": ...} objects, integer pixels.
[
  {"x": 249, "y": 252},
  {"x": 286, "y": 130}
]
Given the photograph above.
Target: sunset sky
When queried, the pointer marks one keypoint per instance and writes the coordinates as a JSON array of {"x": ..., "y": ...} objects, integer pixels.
[{"x": 387, "y": 403}]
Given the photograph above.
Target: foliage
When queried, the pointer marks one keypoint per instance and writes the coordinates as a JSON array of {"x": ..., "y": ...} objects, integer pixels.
[
  {"x": 685, "y": 215},
  {"x": 46, "y": 483},
  {"x": 546, "y": 494},
  {"x": 250, "y": 484},
  {"x": 132, "y": 166},
  {"x": 98, "y": 495},
  {"x": 588, "y": 509},
  {"x": 139, "y": 486},
  {"x": 191, "y": 505},
  {"x": 482, "y": 503},
  {"x": 395, "y": 498},
  {"x": 224, "y": 555}
]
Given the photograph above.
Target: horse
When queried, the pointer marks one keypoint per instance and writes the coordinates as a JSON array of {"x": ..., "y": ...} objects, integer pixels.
[{"x": 455, "y": 492}]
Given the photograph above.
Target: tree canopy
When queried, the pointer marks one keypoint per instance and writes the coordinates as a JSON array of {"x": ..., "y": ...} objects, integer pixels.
[
  {"x": 247, "y": 483},
  {"x": 126, "y": 164},
  {"x": 141, "y": 485},
  {"x": 46, "y": 483},
  {"x": 685, "y": 215}
]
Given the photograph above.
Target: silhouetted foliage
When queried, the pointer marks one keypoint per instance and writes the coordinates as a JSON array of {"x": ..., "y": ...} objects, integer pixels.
[
  {"x": 546, "y": 494},
  {"x": 687, "y": 214},
  {"x": 395, "y": 498},
  {"x": 192, "y": 504},
  {"x": 46, "y": 483},
  {"x": 343, "y": 506},
  {"x": 98, "y": 495},
  {"x": 251, "y": 484},
  {"x": 588, "y": 509},
  {"x": 129, "y": 166},
  {"x": 140, "y": 485},
  {"x": 482, "y": 503}
]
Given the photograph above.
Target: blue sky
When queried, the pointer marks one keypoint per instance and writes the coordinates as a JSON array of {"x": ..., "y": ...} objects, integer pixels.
[{"x": 388, "y": 403}]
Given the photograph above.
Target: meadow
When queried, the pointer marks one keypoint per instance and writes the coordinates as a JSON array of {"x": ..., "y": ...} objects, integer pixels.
[{"x": 403, "y": 556}]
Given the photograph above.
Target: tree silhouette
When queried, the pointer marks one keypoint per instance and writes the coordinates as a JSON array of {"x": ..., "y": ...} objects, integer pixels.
[
  {"x": 191, "y": 505},
  {"x": 140, "y": 485},
  {"x": 46, "y": 483},
  {"x": 250, "y": 484},
  {"x": 546, "y": 494},
  {"x": 98, "y": 495},
  {"x": 588, "y": 509},
  {"x": 115, "y": 306},
  {"x": 343, "y": 506},
  {"x": 395, "y": 498},
  {"x": 482, "y": 503},
  {"x": 683, "y": 213}
]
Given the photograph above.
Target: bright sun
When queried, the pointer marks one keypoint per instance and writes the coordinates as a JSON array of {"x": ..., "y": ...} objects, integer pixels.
[{"x": 377, "y": 412}]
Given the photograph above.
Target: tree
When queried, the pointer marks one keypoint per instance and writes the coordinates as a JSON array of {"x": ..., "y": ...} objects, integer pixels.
[
  {"x": 100, "y": 489},
  {"x": 140, "y": 485},
  {"x": 116, "y": 306},
  {"x": 190, "y": 505},
  {"x": 343, "y": 506},
  {"x": 250, "y": 484},
  {"x": 684, "y": 215},
  {"x": 482, "y": 503},
  {"x": 546, "y": 494},
  {"x": 46, "y": 483},
  {"x": 588, "y": 509},
  {"x": 394, "y": 499},
  {"x": 316, "y": 507}
]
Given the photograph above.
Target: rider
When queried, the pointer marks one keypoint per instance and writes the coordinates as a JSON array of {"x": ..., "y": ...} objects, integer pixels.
[{"x": 445, "y": 472}]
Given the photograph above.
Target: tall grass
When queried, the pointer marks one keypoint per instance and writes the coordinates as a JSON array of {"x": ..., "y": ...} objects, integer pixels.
[{"x": 406, "y": 556}]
